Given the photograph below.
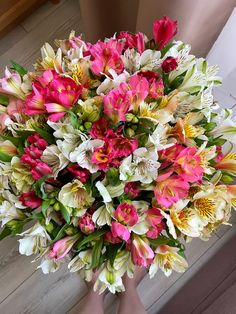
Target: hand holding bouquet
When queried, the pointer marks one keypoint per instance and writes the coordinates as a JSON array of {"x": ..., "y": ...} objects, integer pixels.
[{"x": 114, "y": 151}]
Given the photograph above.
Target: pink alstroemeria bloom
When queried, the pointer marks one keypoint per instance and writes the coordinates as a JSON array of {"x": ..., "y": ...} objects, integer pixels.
[
  {"x": 156, "y": 85},
  {"x": 126, "y": 214},
  {"x": 35, "y": 101},
  {"x": 62, "y": 247},
  {"x": 170, "y": 153},
  {"x": 132, "y": 189},
  {"x": 106, "y": 56},
  {"x": 86, "y": 224},
  {"x": 15, "y": 108},
  {"x": 40, "y": 170},
  {"x": 119, "y": 230},
  {"x": 37, "y": 141},
  {"x": 33, "y": 152},
  {"x": 170, "y": 189},
  {"x": 142, "y": 254},
  {"x": 163, "y": 31},
  {"x": 82, "y": 173},
  {"x": 189, "y": 165},
  {"x": 30, "y": 199},
  {"x": 121, "y": 146},
  {"x": 140, "y": 90},
  {"x": 4, "y": 118},
  {"x": 99, "y": 129},
  {"x": 118, "y": 102},
  {"x": 154, "y": 218},
  {"x": 136, "y": 41},
  {"x": 11, "y": 84},
  {"x": 108, "y": 237}
]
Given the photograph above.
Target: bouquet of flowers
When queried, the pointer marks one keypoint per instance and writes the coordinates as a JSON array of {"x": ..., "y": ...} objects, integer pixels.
[{"x": 112, "y": 153}]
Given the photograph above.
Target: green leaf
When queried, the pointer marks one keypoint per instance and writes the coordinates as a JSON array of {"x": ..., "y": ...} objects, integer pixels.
[
  {"x": 46, "y": 135},
  {"x": 112, "y": 176},
  {"x": 5, "y": 157},
  {"x": 45, "y": 206},
  {"x": 39, "y": 187},
  {"x": 4, "y": 100},
  {"x": 14, "y": 140},
  {"x": 74, "y": 119},
  {"x": 166, "y": 48},
  {"x": 5, "y": 233},
  {"x": 96, "y": 252},
  {"x": 112, "y": 252},
  {"x": 18, "y": 68},
  {"x": 60, "y": 234},
  {"x": 37, "y": 216},
  {"x": 91, "y": 237},
  {"x": 65, "y": 213}
]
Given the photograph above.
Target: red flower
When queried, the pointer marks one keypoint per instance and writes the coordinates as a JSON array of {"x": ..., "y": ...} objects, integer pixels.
[
  {"x": 133, "y": 41},
  {"x": 30, "y": 200},
  {"x": 80, "y": 172},
  {"x": 169, "y": 64},
  {"x": 163, "y": 31}
]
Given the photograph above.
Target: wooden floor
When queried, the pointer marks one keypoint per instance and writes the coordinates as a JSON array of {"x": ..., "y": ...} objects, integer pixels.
[{"x": 23, "y": 289}]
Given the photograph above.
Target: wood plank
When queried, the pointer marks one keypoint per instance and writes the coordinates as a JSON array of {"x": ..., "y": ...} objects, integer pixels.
[
  {"x": 225, "y": 304},
  {"x": 205, "y": 277},
  {"x": 14, "y": 268},
  {"x": 40, "y": 15},
  {"x": 56, "y": 25},
  {"x": 11, "y": 39},
  {"x": 54, "y": 293},
  {"x": 15, "y": 12}
]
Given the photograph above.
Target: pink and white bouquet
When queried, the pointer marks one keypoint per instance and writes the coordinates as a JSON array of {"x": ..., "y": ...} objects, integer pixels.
[{"x": 113, "y": 153}]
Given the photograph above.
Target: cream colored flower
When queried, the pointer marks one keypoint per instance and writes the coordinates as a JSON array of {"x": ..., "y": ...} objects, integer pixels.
[
  {"x": 34, "y": 241},
  {"x": 82, "y": 260},
  {"x": 75, "y": 195},
  {"x": 55, "y": 159},
  {"x": 167, "y": 259},
  {"x": 10, "y": 208}
]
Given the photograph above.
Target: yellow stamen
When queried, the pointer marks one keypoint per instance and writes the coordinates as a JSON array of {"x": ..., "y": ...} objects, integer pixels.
[{"x": 206, "y": 208}]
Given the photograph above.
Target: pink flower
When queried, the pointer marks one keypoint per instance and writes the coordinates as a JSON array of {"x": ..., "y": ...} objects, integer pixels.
[
  {"x": 126, "y": 214},
  {"x": 154, "y": 218},
  {"x": 188, "y": 164},
  {"x": 110, "y": 238},
  {"x": 170, "y": 153},
  {"x": 136, "y": 41},
  {"x": 11, "y": 84},
  {"x": 26, "y": 159},
  {"x": 30, "y": 200},
  {"x": 99, "y": 128},
  {"x": 142, "y": 254},
  {"x": 156, "y": 85},
  {"x": 82, "y": 173},
  {"x": 33, "y": 152},
  {"x": 117, "y": 103},
  {"x": 4, "y": 118},
  {"x": 121, "y": 146},
  {"x": 219, "y": 155},
  {"x": 15, "y": 108},
  {"x": 53, "y": 94},
  {"x": 169, "y": 64},
  {"x": 170, "y": 189},
  {"x": 41, "y": 169},
  {"x": 119, "y": 230},
  {"x": 62, "y": 247},
  {"x": 132, "y": 189},
  {"x": 140, "y": 90},
  {"x": 106, "y": 56},
  {"x": 86, "y": 224},
  {"x": 163, "y": 31},
  {"x": 37, "y": 141}
]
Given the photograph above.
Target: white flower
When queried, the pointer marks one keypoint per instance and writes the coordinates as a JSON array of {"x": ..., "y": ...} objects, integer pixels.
[
  {"x": 82, "y": 260},
  {"x": 159, "y": 140},
  {"x": 109, "y": 279},
  {"x": 167, "y": 259},
  {"x": 83, "y": 154},
  {"x": 143, "y": 168},
  {"x": 102, "y": 216},
  {"x": 34, "y": 241},
  {"x": 54, "y": 158},
  {"x": 74, "y": 194},
  {"x": 112, "y": 83},
  {"x": 49, "y": 265},
  {"x": 10, "y": 208}
]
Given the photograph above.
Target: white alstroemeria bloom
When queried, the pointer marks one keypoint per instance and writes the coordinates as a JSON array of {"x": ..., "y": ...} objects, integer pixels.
[
  {"x": 226, "y": 126},
  {"x": 82, "y": 260},
  {"x": 34, "y": 240},
  {"x": 103, "y": 215},
  {"x": 167, "y": 259},
  {"x": 150, "y": 60},
  {"x": 112, "y": 83},
  {"x": 10, "y": 208},
  {"x": 55, "y": 159},
  {"x": 143, "y": 167},
  {"x": 83, "y": 154},
  {"x": 194, "y": 81},
  {"x": 158, "y": 140},
  {"x": 75, "y": 195},
  {"x": 123, "y": 263},
  {"x": 110, "y": 279},
  {"x": 49, "y": 265},
  {"x": 50, "y": 57},
  {"x": 131, "y": 60}
]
